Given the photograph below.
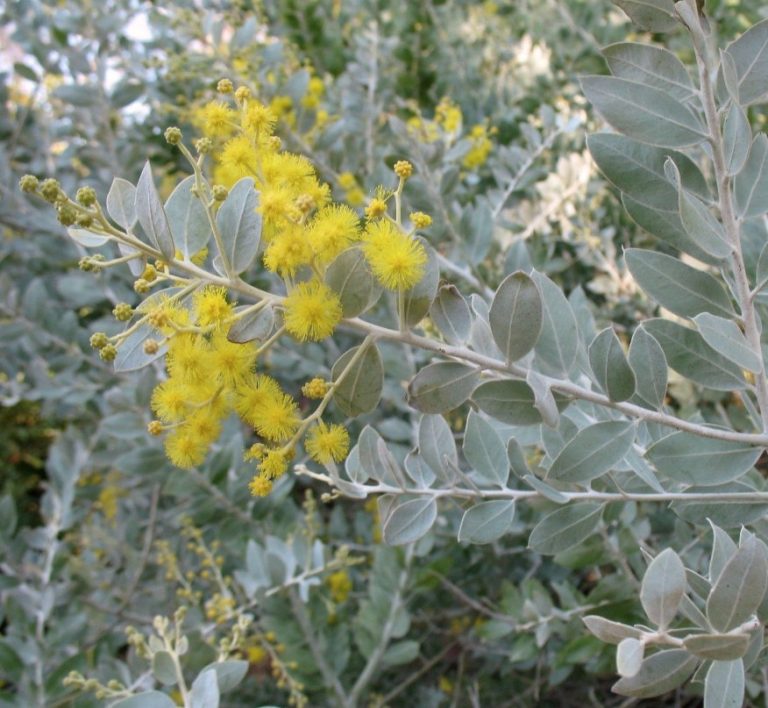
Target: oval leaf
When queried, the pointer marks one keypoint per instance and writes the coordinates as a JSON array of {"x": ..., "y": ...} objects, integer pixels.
[
  {"x": 152, "y": 216},
  {"x": 564, "y": 528},
  {"x": 486, "y": 521},
  {"x": 608, "y": 631},
  {"x": 360, "y": 390},
  {"x": 659, "y": 673},
  {"x": 351, "y": 279},
  {"x": 409, "y": 520},
  {"x": 443, "y": 386},
  {"x": 689, "y": 355},
  {"x": 692, "y": 459},
  {"x": 724, "y": 685},
  {"x": 121, "y": 203},
  {"x": 719, "y": 647},
  {"x": 187, "y": 218},
  {"x": 643, "y": 112},
  {"x": 451, "y": 315},
  {"x": 610, "y": 366},
  {"x": 652, "y": 66},
  {"x": 509, "y": 401},
  {"x": 740, "y": 588},
  {"x": 681, "y": 289},
  {"x": 663, "y": 587},
  {"x": 592, "y": 452},
  {"x": 515, "y": 315},
  {"x": 638, "y": 170},
  {"x": 629, "y": 656},
  {"x": 239, "y": 223},
  {"x": 485, "y": 451},
  {"x": 646, "y": 357}
]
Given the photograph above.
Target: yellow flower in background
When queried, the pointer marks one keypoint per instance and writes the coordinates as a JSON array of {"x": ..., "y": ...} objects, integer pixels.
[
  {"x": 312, "y": 311},
  {"x": 340, "y": 585},
  {"x": 260, "y": 486},
  {"x": 396, "y": 259},
  {"x": 327, "y": 443}
]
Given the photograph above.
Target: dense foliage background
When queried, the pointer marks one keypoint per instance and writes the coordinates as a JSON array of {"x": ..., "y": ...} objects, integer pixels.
[{"x": 100, "y": 532}]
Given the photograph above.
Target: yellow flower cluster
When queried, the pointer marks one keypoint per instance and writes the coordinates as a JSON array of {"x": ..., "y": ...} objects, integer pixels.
[{"x": 481, "y": 147}]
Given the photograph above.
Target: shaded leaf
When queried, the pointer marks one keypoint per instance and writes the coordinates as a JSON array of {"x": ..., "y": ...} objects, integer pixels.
[
  {"x": 725, "y": 337},
  {"x": 720, "y": 647},
  {"x": 187, "y": 218},
  {"x": 350, "y": 277},
  {"x": 451, "y": 315},
  {"x": 724, "y": 685},
  {"x": 646, "y": 357}
]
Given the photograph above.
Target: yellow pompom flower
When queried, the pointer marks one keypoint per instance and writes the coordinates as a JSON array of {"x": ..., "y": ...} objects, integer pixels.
[
  {"x": 376, "y": 208},
  {"x": 277, "y": 206},
  {"x": 274, "y": 464},
  {"x": 171, "y": 400},
  {"x": 204, "y": 425},
  {"x": 276, "y": 417},
  {"x": 312, "y": 311},
  {"x": 326, "y": 443},
  {"x": 252, "y": 393},
  {"x": 258, "y": 119},
  {"x": 396, "y": 259},
  {"x": 231, "y": 362},
  {"x": 333, "y": 229},
  {"x": 188, "y": 357},
  {"x": 184, "y": 449},
  {"x": 288, "y": 251},
  {"x": 240, "y": 154},
  {"x": 260, "y": 486},
  {"x": 211, "y": 306},
  {"x": 217, "y": 120}
]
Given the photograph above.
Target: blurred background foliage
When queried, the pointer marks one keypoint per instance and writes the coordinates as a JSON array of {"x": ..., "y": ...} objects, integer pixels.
[{"x": 99, "y": 532}]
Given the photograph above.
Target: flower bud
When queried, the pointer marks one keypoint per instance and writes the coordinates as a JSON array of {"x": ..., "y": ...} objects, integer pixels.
[
  {"x": 203, "y": 146},
  {"x": 155, "y": 427},
  {"x": 86, "y": 196},
  {"x": 173, "y": 135},
  {"x": 67, "y": 214},
  {"x": 50, "y": 190},
  {"x": 220, "y": 192},
  {"x": 99, "y": 340},
  {"x": 108, "y": 352},
  {"x": 29, "y": 184},
  {"x": 225, "y": 86},
  {"x": 151, "y": 346},
  {"x": 141, "y": 286},
  {"x": 403, "y": 169},
  {"x": 122, "y": 312}
]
